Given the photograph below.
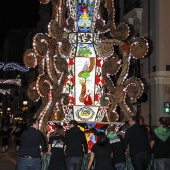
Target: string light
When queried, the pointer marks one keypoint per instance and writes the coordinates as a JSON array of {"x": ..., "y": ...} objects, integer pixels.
[
  {"x": 13, "y": 66},
  {"x": 11, "y": 81},
  {"x": 5, "y": 91},
  {"x": 55, "y": 83}
]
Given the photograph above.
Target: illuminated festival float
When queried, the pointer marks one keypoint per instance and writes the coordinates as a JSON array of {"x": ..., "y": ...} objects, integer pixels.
[{"x": 75, "y": 60}]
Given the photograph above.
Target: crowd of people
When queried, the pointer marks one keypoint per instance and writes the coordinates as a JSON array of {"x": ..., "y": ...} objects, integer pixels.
[
  {"x": 11, "y": 133},
  {"x": 67, "y": 149}
]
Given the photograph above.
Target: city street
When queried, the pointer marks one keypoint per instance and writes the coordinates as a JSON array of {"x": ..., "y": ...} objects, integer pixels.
[{"x": 8, "y": 161}]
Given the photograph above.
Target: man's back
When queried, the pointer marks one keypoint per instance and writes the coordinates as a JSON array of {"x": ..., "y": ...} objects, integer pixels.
[
  {"x": 137, "y": 138},
  {"x": 75, "y": 140},
  {"x": 31, "y": 140},
  {"x": 32, "y": 144},
  {"x": 160, "y": 143},
  {"x": 118, "y": 149},
  {"x": 161, "y": 148}
]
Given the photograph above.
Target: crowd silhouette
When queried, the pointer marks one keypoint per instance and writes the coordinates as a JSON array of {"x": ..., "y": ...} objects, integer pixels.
[{"x": 132, "y": 146}]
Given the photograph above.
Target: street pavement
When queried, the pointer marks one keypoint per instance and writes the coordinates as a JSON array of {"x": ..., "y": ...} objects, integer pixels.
[{"x": 8, "y": 161}]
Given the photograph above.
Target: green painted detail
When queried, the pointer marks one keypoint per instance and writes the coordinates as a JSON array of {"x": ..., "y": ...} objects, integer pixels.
[{"x": 85, "y": 75}]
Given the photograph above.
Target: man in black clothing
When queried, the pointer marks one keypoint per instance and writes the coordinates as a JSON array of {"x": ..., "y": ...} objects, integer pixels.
[
  {"x": 32, "y": 144},
  {"x": 116, "y": 141},
  {"x": 160, "y": 142},
  {"x": 76, "y": 146},
  {"x": 5, "y": 138},
  {"x": 139, "y": 147}
]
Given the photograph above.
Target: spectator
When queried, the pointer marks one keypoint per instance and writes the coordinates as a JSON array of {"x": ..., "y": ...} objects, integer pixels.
[
  {"x": 56, "y": 149},
  {"x": 32, "y": 144},
  {"x": 116, "y": 141},
  {"x": 137, "y": 138},
  {"x": 5, "y": 138},
  {"x": 149, "y": 131},
  {"x": 12, "y": 137},
  {"x": 102, "y": 152},
  {"x": 76, "y": 146},
  {"x": 160, "y": 142},
  {"x": 17, "y": 134}
]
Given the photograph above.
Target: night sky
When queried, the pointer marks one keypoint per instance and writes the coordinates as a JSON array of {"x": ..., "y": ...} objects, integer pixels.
[{"x": 14, "y": 14}]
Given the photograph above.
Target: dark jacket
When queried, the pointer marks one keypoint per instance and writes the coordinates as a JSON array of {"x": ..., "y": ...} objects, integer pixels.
[
  {"x": 117, "y": 144},
  {"x": 5, "y": 132},
  {"x": 76, "y": 143},
  {"x": 31, "y": 141},
  {"x": 137, "y": 138},
  {"x": 161, "y": 147}
]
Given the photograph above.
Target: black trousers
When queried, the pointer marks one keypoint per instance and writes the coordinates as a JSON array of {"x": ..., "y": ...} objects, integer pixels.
[{"x": 141, "y": 161}]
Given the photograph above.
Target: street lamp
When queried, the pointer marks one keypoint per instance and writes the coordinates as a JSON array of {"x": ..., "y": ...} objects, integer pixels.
[
  {"x": 8, "y": 110},
  {"x": 25, "y": 103}
]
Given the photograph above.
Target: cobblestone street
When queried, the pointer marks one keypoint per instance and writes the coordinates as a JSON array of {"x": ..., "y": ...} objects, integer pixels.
[{"x": 8, "y": 161}]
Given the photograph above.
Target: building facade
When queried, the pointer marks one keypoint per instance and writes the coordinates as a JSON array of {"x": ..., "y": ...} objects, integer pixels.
[{"x": 150, "y": 18}]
